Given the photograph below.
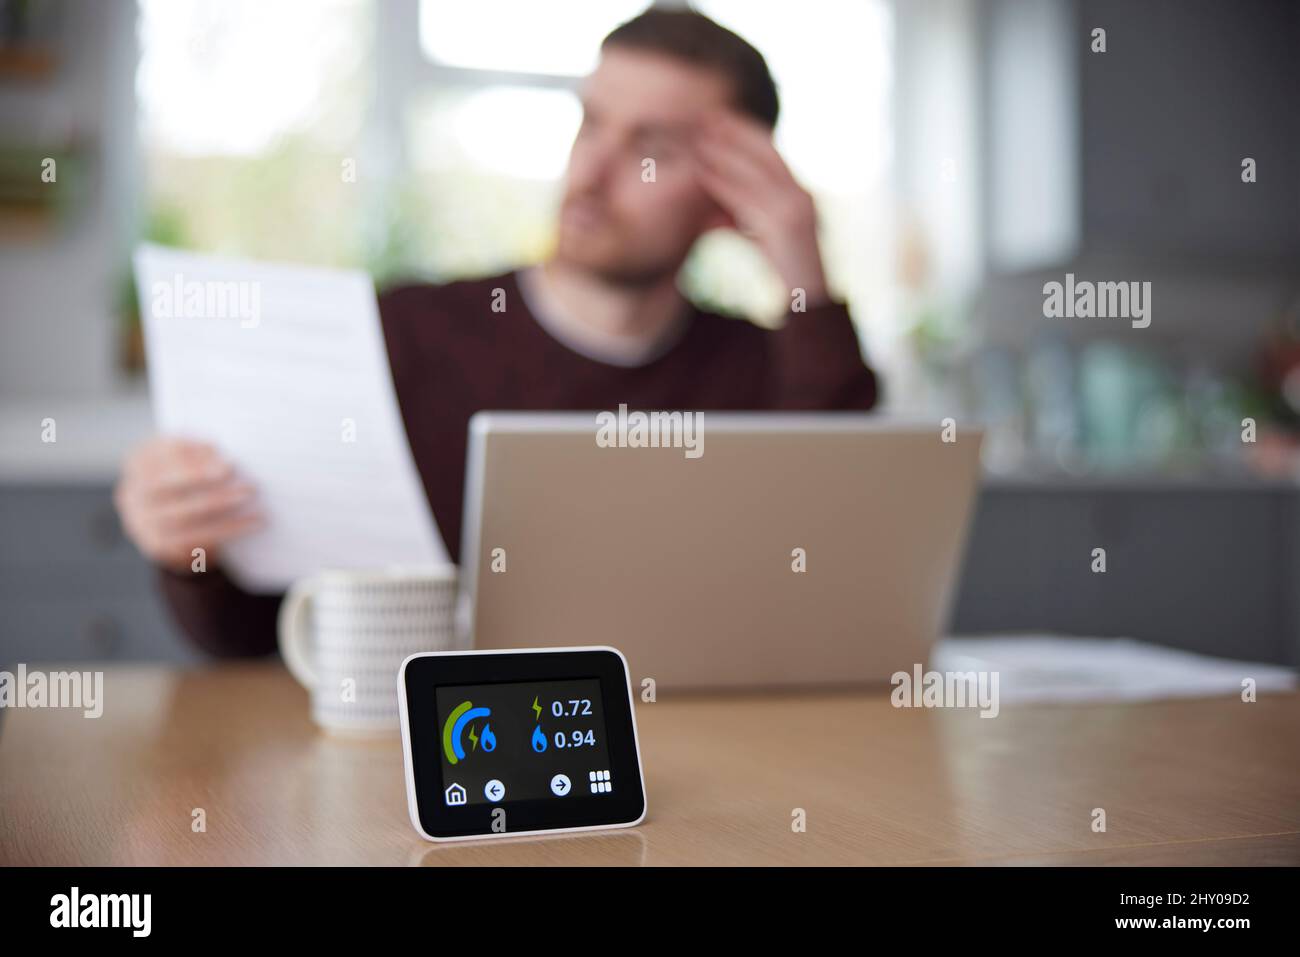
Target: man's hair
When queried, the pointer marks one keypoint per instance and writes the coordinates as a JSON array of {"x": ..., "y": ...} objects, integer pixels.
[{"x": 692, "y": 37}]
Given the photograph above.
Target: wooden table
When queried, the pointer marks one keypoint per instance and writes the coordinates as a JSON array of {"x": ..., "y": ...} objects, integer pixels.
[{"x": 1205, "y": 781}]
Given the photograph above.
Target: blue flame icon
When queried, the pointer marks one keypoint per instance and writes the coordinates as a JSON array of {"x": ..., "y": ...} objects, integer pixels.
[
  {"x": 539, "y": 740},
  {"x": 488, "y": 740}
]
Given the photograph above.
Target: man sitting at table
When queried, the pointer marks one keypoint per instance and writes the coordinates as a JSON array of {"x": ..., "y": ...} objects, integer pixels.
[{"x": 598, "y": 324}]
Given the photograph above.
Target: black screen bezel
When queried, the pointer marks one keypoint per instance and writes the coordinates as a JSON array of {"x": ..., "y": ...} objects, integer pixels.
[{"x": 425, "y": 674}]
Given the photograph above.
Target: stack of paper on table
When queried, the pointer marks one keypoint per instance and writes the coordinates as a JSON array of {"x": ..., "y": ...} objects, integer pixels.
[{"x": 1040, "y": 668}]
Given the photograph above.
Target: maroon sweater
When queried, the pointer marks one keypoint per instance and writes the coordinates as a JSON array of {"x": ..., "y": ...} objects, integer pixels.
[{"x": 452, "y": 356}]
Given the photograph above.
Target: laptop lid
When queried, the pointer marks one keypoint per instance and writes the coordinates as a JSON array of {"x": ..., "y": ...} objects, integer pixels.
[{"x": 781, "y": 550}]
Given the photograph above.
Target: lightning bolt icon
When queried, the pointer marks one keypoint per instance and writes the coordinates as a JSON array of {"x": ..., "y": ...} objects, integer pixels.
[
  {"x": 473, "y": 737},
  {"x": 537, "y": 708}
]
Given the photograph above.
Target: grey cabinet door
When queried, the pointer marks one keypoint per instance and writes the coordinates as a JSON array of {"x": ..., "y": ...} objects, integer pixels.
[
  {"x": 72, "y": 588},
  {"x": 1207, "y": 570}
]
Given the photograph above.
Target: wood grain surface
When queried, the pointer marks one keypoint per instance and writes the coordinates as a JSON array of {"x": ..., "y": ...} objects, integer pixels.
[{"x": 1199, "y": 781}]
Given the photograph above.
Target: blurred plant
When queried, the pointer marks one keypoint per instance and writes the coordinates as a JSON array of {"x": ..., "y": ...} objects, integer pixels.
[
  {"x": 1279, "y": 368},
  {"x": 1275, "y": 399},
  {"x": 29, "y": 204},
  {"x": 164, "y": 225}
]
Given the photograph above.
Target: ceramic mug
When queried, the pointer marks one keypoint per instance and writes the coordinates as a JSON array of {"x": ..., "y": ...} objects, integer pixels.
[{"x": 345, "y": 633}]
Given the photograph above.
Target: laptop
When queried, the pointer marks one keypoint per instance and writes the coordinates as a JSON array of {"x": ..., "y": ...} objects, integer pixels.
[{"x": 762, "y": 551}]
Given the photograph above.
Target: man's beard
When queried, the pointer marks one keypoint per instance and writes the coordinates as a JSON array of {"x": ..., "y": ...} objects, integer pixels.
[
  {"x": 617, "y": 261},
  {"x": 627, "y": 275}
]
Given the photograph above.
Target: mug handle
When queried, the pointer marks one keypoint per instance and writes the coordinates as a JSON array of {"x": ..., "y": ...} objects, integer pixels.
[{"x": 295, "y": 633}]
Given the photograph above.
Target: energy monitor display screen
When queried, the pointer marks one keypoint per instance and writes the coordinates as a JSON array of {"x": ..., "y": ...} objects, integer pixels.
[
  {"x": 517, "y": 742},
  {"x": 527, "y": 740}
]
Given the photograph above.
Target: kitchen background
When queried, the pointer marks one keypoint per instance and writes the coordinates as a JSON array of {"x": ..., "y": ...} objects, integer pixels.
[{"x": 963, "y": 153}]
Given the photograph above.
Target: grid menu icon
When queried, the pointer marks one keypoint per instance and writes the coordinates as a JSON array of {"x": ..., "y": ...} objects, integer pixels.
[{"x": 599, "y": 781}]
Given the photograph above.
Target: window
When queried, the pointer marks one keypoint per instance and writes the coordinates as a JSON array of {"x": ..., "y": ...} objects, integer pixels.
[
  {"x": 521, "y": 36},
  {"x": 249, "y": 112}
]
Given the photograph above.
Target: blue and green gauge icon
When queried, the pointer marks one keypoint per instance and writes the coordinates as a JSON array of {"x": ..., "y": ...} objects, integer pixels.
[{"x": 466, "y": 714}]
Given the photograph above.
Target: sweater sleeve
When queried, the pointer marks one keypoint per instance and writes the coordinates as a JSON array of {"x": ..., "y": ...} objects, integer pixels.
[
  {"x": 816, "y": 362},
  {"x": 217, "y": 616}
]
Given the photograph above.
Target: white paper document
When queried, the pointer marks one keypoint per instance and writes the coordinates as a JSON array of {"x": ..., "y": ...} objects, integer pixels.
[
  {"x": 1050, "y": 668},
  {"x": 284, "y": 370}
]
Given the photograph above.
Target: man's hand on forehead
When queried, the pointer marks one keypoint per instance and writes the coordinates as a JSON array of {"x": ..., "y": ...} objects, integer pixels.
[{"x": 740, "y": 167}]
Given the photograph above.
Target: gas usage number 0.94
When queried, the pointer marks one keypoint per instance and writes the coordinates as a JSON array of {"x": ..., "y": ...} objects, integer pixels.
[{"x": 575, "y": 739}]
